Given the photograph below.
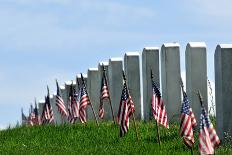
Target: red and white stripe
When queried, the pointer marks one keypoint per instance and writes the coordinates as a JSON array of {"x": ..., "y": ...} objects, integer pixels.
[
  {"x": 127, "y": 111},
  {"x": 104, "y": 95},
  {"x": 188, "y": 122},
  {"x": 208, "y": 138},
  {"x": 105, "y": 92},
  {"x": 83, "y": 105},
  {"x": 31, "y": 119},
  {"x": 159, "y": 111},
  {"x": 75, "y": 108},
  {"x": 61, "y": 106}
]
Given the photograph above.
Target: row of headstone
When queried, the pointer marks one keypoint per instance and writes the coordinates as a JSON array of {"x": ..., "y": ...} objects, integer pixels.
[{"x": 196, "y": 80}]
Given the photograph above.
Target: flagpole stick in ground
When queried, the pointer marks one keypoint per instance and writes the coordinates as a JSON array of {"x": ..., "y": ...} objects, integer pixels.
[
  {"x": 89, "y": 101},
  {"x": 157, "y": 125},
  {"x": 158, "y": 132},
  {"x": 182, "y": 87},
  {"x": 104, "y": 76},
  {"x": 137, "y": 135}
]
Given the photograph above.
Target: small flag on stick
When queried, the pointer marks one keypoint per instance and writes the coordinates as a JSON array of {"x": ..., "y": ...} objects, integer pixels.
[
  {"x": 105, "y": 94},
  {"x": 188, "y": 120},
  {"x": 84, "y": 102},
  {"x": 126, "y": 109},
  {"x": 208, "y": 137},
  {"x": 158, "y": 107},
  {"x": 47, "y": 114},
  {"x": 60, "y": 102}
]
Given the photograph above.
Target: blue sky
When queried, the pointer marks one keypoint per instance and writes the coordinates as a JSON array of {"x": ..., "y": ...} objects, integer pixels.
[{"x": 48, "y": 39}]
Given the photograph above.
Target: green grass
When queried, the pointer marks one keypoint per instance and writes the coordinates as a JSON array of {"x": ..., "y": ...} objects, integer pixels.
[{"x": 90, "y": 139}]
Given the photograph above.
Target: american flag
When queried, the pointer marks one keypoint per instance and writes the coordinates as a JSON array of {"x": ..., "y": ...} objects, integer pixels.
[
  {"x": 84, "y": 101},
  {"x": 73, "y": 105},
  {"x": 47, "y": 114},
  {"x": 126, "y": 109},
  {"x": 104, "y": 95},
  {"x": 31, "y": 117},
  {"x": 37, "y": 119},
  {"x": 188, "y": 122},
  {"x": 208, "y": 137},
  {"x": 60, "y": 102},
  {"x": 158, "y": 107}
]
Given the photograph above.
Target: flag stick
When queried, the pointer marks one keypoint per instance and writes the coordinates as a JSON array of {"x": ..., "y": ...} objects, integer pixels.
[
  {"x": 192, "y": 150},
  {"x": 158, "y": 133},
  {"x": 104, "y": 76},
  {"x": 182, "y": 88},
  {"x": 157, "y": 125},
  {"x": 83, "y": 81},
  {"x": 137, "y": 135}
]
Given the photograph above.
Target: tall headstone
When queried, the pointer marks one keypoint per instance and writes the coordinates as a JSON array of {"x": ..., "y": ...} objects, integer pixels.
[
  {"x": 64, "y": 97},
  {"x": 79, "y": 79},
  {"x": 41, "y": 105},
  {"x": 67, "y": 90},
  {"x": 115, "y": 82},
  {"x": 93, "y": 91},
  {"x": 132, "y": 72},
  {"x": 150, "y": 61},
  {"x": 52, "y": 103},
  {"x": 223, "y": 89},
  {"x": 107, "y": 112},
  {"x": 196, "y": 75},
  {"x": 170, "y": 73}
]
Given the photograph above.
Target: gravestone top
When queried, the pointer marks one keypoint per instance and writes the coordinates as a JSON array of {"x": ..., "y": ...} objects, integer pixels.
[
  {"x": 151, "y": 48},
  {"x": 105, "y": 63},
  {"x": 41, "y": 101},
  {"x": 84, "y": 75},
  {"x": 225, "y": 45},
  {"x": 132, "y": 54},
  {"x": 51, "y": 96},
  {"x": 68, "y": 83},
  {"x": 93, "y": 69},
  {"x": 197, "y": 44},
  {"x": 116, "y": 59},
  {"x": 171, "y": 45},
  {"x": 62, "y": 87}
]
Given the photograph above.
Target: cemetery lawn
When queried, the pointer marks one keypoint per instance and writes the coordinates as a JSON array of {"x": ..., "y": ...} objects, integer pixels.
[{"x": 90, "y": 139}]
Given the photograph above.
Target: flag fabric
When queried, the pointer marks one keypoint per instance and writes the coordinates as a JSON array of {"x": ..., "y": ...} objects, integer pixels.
[
  {"x": 73, "y": 105},
  {"x": 60, "y": 103},
  {"x": 84, "y": 101},
  {"x": 126, "y": 109},
  {"x": 31, "y": 117},
  {"x": 104, "y": 95},
  {"x": 158, "y": 107},
  {"x": 208, "y": 138},
  {"x": 47, "y": 114},
  {"x": 188, "y": 122},
  {"x": 37, "y": 119}
]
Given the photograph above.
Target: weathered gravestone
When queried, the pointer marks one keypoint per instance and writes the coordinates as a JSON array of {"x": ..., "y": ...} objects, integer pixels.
[
  {"x": 170, "y": 73},
  {"x": 41, "y": 105},
  {"x": 132, "y": 72},
  {"x": 196, "y": 75},
  {"x": 223, "y": 90},
  {"x": 150, "y": 61},
  {"x": 115, "y": 82},
  {"x": 93, "y": 91}
]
